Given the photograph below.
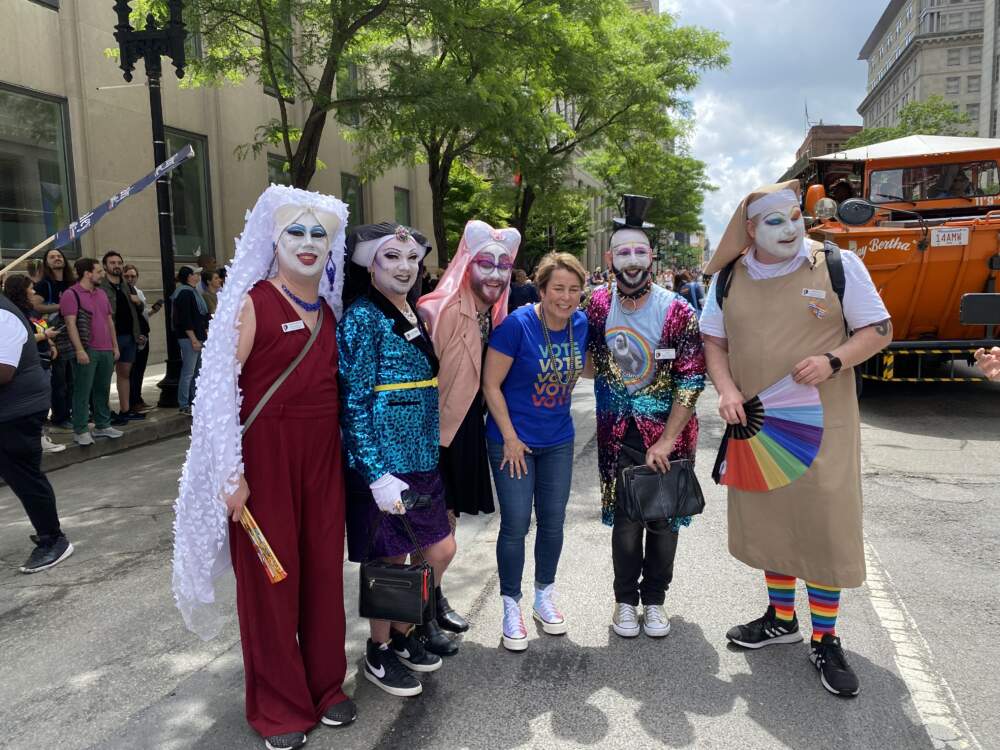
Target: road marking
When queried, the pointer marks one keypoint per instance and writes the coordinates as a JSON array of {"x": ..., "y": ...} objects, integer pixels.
[{"x": 932, "y": 696}]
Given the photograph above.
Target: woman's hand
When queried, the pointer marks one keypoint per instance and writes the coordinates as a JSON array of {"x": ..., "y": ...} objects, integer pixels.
[
  {"x": 236, "y": 502},
  {"x": 513, "y": 457},
  {"x": 731, "y": 407}
]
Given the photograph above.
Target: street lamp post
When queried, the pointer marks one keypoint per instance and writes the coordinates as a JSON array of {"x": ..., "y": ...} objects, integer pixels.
[{"x": 149, "y": 45}]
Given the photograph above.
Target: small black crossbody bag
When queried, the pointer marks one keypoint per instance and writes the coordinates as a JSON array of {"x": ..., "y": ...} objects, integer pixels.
[{"x": 395, "y": 591}]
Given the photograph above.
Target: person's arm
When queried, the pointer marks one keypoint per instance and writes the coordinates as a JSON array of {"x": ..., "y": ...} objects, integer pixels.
[
  {"x": 864, "y": 344},
  {"x": 114, "y": 338},
  {"x": 13, "y": 334},
  {"x": 68, "y": 308},
  {"x": 187, "y": 308},
  {"x": 494, "y": 373},
  {"x": 237, "y": 499},
  {"x": 39, "y": 304}
]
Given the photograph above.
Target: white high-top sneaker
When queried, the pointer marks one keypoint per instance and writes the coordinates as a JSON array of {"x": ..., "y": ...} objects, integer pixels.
[
  {"x": 545, "y": 611},
  {"x": 515, "y": 634}
]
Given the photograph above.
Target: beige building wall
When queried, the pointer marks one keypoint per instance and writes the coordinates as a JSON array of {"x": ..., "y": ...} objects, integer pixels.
[
  {"x": 61, "y": 53},
  {"x": 921, "y": 48}
]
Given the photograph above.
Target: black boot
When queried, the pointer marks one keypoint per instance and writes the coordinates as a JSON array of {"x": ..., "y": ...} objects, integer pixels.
[
  {"x": 434, "y": 639},
  {"x": 448, "y": 618}
]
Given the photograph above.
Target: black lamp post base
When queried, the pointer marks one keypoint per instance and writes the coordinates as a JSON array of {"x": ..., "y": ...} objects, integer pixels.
[{"x": 168, "y": 386}]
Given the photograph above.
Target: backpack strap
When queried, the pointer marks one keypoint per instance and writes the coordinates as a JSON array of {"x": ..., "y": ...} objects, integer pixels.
[
  {"x": 835, "y": 266},
  {"x": 724, "y": 282}
]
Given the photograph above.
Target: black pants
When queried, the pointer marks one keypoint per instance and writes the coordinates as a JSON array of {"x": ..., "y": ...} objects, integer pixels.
[
  {"x": 137, "y": 375},
  {"x": 653, "y": 562},
  {"x": 62, "y": 389},
  {"x": 21, "y": 468}
]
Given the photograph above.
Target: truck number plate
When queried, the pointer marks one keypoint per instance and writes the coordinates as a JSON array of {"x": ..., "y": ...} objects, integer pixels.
[{"x": 949, "y": 236}]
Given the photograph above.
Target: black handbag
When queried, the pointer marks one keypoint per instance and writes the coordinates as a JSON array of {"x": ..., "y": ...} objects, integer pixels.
[
  {"x": 395, "y": 591},
  {"x": 646, "y": 495}
]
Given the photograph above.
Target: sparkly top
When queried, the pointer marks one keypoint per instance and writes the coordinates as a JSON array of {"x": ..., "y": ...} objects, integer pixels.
[
  {"x": 677, "y": 381},
  {"x": 394, "y": 431}
]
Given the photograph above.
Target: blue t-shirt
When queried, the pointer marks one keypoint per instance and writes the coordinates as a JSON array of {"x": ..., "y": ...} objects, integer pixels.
[{"x": 539, "y": 387}]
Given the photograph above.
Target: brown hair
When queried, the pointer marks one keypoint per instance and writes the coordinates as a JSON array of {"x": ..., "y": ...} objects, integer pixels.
[
  {"x": 69, "y": 276},
  {"x": 83, "y": 265},
  {"x": 17, "y": 288},
  {"x": 555, "y": 260}
]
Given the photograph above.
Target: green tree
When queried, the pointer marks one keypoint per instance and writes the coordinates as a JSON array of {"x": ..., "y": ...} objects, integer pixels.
[
  {"x": 933, "y": 116},
  {"x": 471, "y": 196}
]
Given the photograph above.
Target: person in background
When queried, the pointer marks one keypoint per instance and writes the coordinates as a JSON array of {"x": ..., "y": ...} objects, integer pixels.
[
  {"x": 24, "y": 402},
  {"x": 18, "y": 289},
  {"x": 522, "y": 291},
  {"x": 222, "y": 277},
  {"x": 57, "y": 277},
  {"x": 95, "y": 354},
  {"x": 206, "y": 262},
  {"x": 989, "y": 362},
  {"x": 34, "y": 269},
  {"x": 122, "y": 299},
  {"x": 211, "y": 283},
  {"x": 190, "y": 326},
  {"x": 534, "y": 359},
  {"x": 138, "y": 373},
  {"x": 690, "y": 289}
]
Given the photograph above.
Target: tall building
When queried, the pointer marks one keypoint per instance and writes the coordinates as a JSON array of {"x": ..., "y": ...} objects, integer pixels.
[
  {"x": 72, "y": 134},
  {"x": 920, "y": 48},
  {"x": 819, "y": 141}
]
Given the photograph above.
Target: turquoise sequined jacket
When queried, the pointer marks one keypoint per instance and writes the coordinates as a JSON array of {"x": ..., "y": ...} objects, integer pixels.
[{"x": 386, "y": 431}]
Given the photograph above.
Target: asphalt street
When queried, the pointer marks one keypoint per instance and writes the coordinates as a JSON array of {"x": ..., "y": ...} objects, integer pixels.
[{"x": 95, "y": 655}]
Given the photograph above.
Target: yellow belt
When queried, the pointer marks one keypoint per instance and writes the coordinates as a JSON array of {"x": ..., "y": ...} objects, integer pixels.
[{"x": 432, "y": 383}]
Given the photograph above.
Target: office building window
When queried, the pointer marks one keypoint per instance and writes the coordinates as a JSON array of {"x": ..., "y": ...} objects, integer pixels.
[
  {"x": 953, "y": 21},
  {"x": 402, "y": 198},
  {"x": 952, "y": 85},
  {"x": 972, "y": 110},
  {"x": 36, "y": 186},
  {"x": 276, "y": 172},
  {"x": 955, "y": 56},
  {"x": 353, "y": 195},
  {"x": 347, "y": 87},
  {"x": 972, "y": 84},
  {"x": 975, "y": 19},
  {"x": 975, "y": 55},
  {"x": 190, "y": 202}
]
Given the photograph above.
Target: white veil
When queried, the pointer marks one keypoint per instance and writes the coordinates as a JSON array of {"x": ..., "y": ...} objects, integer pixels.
[{"x": 215, "y": 458}]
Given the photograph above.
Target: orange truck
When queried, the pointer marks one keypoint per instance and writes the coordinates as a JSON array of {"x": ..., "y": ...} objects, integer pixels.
[{"x": 928, "y": 229}]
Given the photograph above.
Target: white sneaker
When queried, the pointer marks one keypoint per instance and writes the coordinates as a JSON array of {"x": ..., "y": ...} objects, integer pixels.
[
  {"x": 108, "y": 432},
  {"x": 625, "y": 620},
  {"x": 49, "y": 447},
  {"x": 654, "y": 620},
  {"x": 546, "y": 613},
  {"x": 515, "y": 634},
  {"x": 83, "y": 438}
]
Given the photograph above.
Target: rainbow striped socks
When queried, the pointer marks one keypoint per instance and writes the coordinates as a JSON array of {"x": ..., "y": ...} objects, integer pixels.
[
  {"x": 781, "y": 594},
  {"x": 824, "y": 604}
]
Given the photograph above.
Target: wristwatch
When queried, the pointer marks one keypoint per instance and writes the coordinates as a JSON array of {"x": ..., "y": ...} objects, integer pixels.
[{"x": 835, "y": 362}]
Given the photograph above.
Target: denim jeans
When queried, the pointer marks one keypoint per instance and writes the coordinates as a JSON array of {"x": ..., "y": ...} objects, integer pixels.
[
  {"x": 190, "y": 360},
  {"x": 546, "y": 486}
]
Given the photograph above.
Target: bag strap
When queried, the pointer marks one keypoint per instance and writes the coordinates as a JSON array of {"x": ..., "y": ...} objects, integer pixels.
[
  {"x": 284, "y": 376},
  {"x": 724, "y": 282}
]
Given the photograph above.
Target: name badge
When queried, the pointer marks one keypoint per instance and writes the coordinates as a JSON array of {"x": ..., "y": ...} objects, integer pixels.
[
  {"x": 665, "y": 354},
  {"x": 814, "y": 293},
  {"x": 411, "y": 334},
  {"x": 295, "y": 325}
]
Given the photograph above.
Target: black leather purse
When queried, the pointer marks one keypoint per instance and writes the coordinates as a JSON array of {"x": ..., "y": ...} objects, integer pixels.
[
  {"x": 394, "y": 591},
  {"x": 646, "y": 495}
]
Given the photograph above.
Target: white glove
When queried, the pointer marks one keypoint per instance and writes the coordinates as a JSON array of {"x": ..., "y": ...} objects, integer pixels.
[{"x": 387, "y": 490}]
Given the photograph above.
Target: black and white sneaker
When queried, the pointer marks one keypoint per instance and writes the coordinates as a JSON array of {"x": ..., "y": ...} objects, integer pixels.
[
  {"x": 340, "y": 714},
  {"x": 412, "y": 652},
  {"x": 383, "y": 668},
  {"x": 289, "y": 741},
  {"x": 764, "y": 631},
  {"x": 48, "y": 552},
  {"x": 834, "y": 671}
]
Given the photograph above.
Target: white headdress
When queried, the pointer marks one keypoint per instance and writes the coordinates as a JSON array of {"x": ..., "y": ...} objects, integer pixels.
[{"x": 215, "y": 458}]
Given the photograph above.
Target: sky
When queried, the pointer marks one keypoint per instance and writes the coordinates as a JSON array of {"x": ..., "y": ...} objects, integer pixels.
[{"x": 750, "y": 117}]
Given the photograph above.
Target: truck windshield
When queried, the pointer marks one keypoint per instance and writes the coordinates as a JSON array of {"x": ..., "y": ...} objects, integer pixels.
[{"x": 935, "y": 182}]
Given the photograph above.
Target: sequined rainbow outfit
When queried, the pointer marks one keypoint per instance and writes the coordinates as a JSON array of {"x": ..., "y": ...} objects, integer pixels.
[{"x": 679, "y": 380}]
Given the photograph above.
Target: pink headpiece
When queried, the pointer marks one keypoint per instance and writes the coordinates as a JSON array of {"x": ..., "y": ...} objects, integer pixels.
[{"x": 477, "y": 236}]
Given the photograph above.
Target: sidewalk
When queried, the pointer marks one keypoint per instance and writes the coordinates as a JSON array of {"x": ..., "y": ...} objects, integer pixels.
[{"x": 158, "y": 425}]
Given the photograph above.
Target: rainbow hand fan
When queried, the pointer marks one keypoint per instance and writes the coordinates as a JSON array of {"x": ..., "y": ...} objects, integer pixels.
[{"x": 779, "y": 443}]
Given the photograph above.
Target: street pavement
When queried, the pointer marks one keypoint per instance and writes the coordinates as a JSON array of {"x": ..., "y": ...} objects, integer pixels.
[{"x": 95, "y": 655}]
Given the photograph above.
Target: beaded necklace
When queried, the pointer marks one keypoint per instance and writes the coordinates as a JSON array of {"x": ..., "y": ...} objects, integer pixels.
[
  {"x": 307, "y": 306},
  {"x": 570, "y": 375}
]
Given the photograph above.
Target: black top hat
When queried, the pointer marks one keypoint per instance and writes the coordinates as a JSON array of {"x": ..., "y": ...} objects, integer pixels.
[{"x": 635, "y": 208}]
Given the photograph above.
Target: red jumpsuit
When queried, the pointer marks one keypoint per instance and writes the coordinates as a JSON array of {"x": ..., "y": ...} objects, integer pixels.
[{"x": 293, "y": 631}]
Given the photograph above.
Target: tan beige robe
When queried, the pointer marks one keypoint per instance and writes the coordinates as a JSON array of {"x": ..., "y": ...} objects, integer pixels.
[{"x": 810, "y": 529}]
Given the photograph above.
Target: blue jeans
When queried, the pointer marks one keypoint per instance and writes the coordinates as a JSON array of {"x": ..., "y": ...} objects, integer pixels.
[
  {"x": 190, "y": 360},
  {"x": 550, "y": 472}
]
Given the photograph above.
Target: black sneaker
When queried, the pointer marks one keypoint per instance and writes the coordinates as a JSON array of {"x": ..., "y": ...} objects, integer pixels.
[
  {"x": 764, "y": 631},
  {"x": 48, "y": 553},
  {"x": 834, "y": 671},
  {"x": 383, "y": 668},
  {"x": 117, "y": 420},
  {"x": 412, "y": 653},
  {"x": 132, "y": 415},
  {"x": 340, "y": 714},
  {"x": 289, "y": 741}
]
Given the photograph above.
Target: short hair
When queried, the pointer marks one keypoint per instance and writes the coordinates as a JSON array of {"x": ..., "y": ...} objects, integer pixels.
[
  {"x": 206, "y": 276},
  {"x": 222, "y": 273},
  {"x": 184, "y": 273},
  {"x": 84, "y": 265},
  {"x": 110, "y": 254},
  {"x": 556, "y": 260},
  {"x": 520, "y": 275},
  {"x": 129, "y": 267}
]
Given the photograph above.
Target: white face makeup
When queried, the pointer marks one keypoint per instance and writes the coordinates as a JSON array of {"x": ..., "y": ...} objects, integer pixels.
[
  {"x": 631, "y": 258},
  {"x": 395, "y": 266},
  {"x": 303, "y": 246},
  {"x": 780, "y": 232},
  {"x": 489, "y": 273}
]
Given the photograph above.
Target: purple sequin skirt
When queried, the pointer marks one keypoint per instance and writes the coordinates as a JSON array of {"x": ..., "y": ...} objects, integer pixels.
[{"x": 429, "y": 524}]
